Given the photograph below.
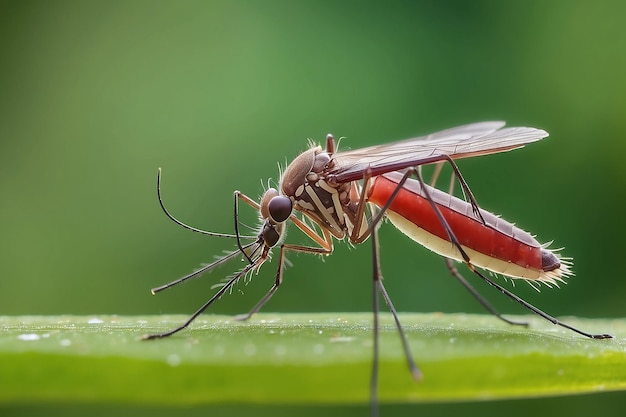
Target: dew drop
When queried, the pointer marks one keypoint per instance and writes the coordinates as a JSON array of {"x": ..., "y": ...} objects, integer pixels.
[{"x": 28, "y": 337}]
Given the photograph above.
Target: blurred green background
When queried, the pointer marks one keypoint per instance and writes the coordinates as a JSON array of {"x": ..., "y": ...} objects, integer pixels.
[{"x": 97, "y": 95}]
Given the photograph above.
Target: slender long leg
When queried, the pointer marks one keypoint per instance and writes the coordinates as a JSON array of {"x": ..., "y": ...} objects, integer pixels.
[
  {"x": 415, "y": 372},
  {"x": 464, "y": 186},
  {"x": 379, "y": 288},
  {"x": 358, "y": 235},
  {"x": 537, "y": 311},
  {"x": 375, "y": 309},
  {"x": 326, "y": 248},
  {"x": 456, "y": 274},
  {"x": 279, "y": 275}
]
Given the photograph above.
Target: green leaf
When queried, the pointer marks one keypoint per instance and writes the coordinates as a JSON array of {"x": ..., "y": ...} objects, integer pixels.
[{"x": 301, "y": 359}]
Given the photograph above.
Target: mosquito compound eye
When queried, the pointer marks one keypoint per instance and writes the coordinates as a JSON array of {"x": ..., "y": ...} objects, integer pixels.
[
  {"x": 270, "y": 236},
  {"x": 280, "y": 208}
]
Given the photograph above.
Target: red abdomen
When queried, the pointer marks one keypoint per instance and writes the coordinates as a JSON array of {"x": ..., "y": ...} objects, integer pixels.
[{"x": 496, "y": 239}]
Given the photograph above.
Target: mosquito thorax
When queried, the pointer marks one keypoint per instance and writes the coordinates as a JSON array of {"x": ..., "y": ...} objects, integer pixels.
[
  {"x": 304, "y": 181},
  {"x": 310, "y": 161}
]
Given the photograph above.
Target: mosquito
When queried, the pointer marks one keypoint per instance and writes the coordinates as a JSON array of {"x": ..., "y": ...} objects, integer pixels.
[{"x": 330, "y": 194}]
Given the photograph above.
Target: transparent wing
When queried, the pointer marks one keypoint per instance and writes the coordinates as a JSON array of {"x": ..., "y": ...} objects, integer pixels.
[{"x": 459, "y": 142}]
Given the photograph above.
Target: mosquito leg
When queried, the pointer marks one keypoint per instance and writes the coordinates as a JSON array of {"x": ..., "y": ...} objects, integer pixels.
[
  {"x": 375, "y": 309},
  {"x": 260, "y": 304},
  {"x": 358, "y": 235},
  {"x": 270, "y": 293},
  {"x": 381, "y": 212},
  {"x": 456, "y": 274},
  {"x": 279, "y": 276},
  {"x": 537, "y": 311},
  {"x": 466, "y": 190},
  {"x": 415, "y": 372},
  {"x": 379, "y": 287}
]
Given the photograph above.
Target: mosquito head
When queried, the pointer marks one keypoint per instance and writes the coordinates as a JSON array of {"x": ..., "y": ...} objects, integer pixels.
[{"x": 274, "y": 209}]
